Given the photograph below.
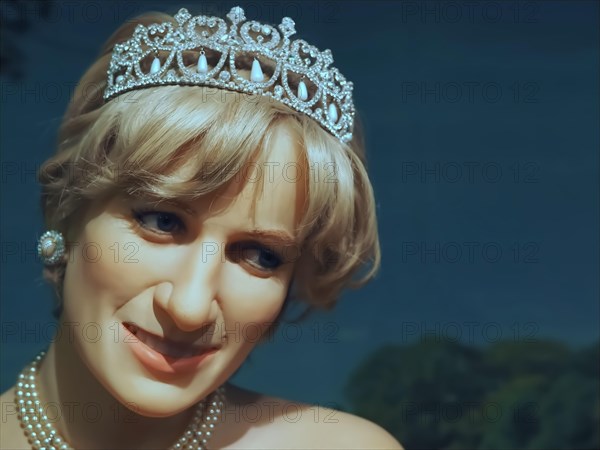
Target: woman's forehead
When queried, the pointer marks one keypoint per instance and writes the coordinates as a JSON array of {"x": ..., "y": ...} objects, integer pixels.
[{"x": 268, "y": 192}]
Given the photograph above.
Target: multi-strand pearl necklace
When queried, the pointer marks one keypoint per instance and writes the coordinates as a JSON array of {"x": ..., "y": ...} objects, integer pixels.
[{"x": 41, "y": 433}]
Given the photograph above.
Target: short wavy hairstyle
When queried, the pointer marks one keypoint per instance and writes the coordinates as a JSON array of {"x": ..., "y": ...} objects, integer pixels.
[{"x": 135, "y": 143}]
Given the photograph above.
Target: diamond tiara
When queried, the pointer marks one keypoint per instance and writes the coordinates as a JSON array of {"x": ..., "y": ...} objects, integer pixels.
[{"x": 329, "y": 102}]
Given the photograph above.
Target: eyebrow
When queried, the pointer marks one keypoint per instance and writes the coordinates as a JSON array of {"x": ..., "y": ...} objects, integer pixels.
[
  {"x": 182, "y": 205},
  {"x": 280, "y": 237}
]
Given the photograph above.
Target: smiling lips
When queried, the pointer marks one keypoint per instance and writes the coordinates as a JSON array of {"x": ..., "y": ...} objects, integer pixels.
[
  {"x": 162, "y": 354},
  {"x": 165, "y": 346}
]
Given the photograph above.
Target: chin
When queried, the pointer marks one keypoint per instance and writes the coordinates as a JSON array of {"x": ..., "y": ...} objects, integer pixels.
[
  {"x": 151, "y": 398},
  {"x": 144, "y": 392},
  {"x": 147, "y": 406}
]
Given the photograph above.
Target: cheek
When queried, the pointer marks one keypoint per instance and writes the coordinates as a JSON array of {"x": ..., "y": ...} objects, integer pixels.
[
  {"x": 250, "y": 300},
  {"x": 103, "y": 269}
]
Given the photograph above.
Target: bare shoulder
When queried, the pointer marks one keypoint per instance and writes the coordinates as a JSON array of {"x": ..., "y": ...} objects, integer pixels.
[
  {"x": 344, "y": 430},
  {"x": 273, "y": 422}
]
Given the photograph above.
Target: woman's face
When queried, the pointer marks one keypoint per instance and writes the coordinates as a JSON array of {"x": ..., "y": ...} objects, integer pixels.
[{"x": 168, "y": 300}]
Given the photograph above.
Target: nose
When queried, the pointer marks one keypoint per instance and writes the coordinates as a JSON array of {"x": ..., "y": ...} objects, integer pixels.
[{"x": 189, "y": 295}]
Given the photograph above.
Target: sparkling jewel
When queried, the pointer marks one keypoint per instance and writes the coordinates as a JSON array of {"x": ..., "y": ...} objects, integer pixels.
[
  {"x": 43, "y": 435},
  {"x": 155, "y": 67},
  {"x": 230, "y": 41},
  {"x": 51, "y": 247},
  {"x": 236, "y": 14},
  {"x": 48, "y": 248},
  {"x": 288, "y": 25},
  {"x": 332, "y": 113},
  {"x": 256, "y": 74},
  {"x": 302, "y": 91},
  {"x": 202, "y": 64}
]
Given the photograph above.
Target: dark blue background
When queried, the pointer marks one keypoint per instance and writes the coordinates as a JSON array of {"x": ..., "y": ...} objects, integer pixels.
[{"x": 482, "y": 131}]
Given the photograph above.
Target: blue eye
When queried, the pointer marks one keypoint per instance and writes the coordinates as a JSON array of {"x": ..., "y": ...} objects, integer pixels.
[
  {"x": 161, "y": 221},
  {"x": 257, "y": 255}
]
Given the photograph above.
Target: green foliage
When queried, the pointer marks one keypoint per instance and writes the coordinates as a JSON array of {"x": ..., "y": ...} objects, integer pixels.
[
  {"x": 527, "y": 395},
  {"x": 518, "y": 420},
  {"x": 571, "y": 417},
  {"x": 510, "y": 358}
]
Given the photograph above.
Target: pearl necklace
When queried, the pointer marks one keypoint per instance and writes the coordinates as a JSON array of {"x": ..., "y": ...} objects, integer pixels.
[{"x": 42, "y": 435}]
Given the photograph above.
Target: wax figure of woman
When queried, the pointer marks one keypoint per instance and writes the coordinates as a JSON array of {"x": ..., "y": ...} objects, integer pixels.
[{"x": 208, "y": 173}]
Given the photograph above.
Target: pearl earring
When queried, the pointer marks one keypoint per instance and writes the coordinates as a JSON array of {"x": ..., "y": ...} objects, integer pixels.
[{"x": 51, "y": 247}]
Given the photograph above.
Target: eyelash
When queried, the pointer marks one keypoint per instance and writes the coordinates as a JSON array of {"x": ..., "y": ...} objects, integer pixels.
[{"x": 239, "y": 248}]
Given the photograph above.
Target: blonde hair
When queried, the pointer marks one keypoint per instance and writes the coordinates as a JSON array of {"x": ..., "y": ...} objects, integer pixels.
[{"x": 151, "y": 132}]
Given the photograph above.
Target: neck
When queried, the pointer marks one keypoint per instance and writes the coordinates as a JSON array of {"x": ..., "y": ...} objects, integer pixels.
[{"x": 87, "y": 416}]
